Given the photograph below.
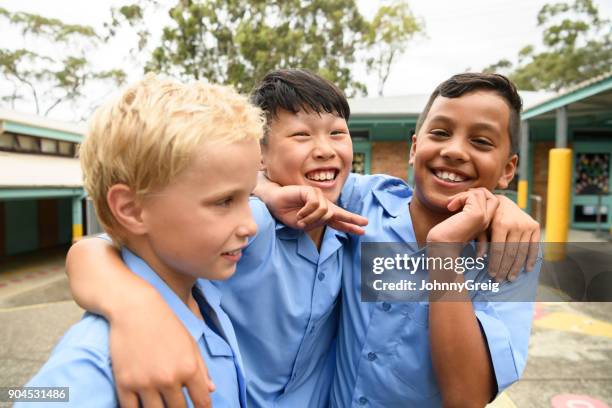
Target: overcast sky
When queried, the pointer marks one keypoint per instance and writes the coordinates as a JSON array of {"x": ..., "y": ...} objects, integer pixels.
[{"x": 460, "y": 34}]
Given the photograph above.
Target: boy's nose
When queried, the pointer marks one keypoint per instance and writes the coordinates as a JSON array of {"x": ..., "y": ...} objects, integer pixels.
[
  {"x": 455, "y": 150},
  {"x": 248, "y": 226},
  {"x": 323, "y": 150}
]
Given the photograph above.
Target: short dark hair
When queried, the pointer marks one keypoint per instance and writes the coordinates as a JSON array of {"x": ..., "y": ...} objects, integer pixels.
[
  {"x": 461, "y": 84},
  {"x": 297, "y": 90}
]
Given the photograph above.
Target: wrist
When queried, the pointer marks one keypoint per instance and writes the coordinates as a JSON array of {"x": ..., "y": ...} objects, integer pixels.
[{"x": 129, "y": 298}]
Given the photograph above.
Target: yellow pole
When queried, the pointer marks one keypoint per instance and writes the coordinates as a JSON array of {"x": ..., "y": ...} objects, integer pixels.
[
  {"x": 558, "y": 202},
  {"x": 522, "y": 194}
]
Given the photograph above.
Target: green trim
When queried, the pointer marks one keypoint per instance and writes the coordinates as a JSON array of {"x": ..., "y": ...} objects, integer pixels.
[
  {"x": 34, "y": 193},
  {"x": 378, "y": 121},
  {"x": 22, "y": 129},
  {"x": 365, "y": 148},
  {"x": 588, "y": 199},
  {"x": 568, "y": 98}
]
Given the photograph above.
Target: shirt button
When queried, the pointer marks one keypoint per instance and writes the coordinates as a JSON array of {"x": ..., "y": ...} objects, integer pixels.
[
  {"x": 363, "y": 400},
  {"x": 372, "y": 356},
  {"x": 321, "y": 276},
  {"x": 386, "y": 306}
]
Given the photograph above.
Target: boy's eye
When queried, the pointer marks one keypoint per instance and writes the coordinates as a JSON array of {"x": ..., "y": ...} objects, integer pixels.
[
  {"x": 339, "y": 132},
  {"x": 439, "y": 132},
  {"x": 300, "y": 134},
  {"x": 482, "y": 142},
  {"x": 225, "y": 202}
]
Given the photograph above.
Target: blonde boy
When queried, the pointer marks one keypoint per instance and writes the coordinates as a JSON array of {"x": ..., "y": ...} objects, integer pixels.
[{"x": 170, "y": 168}]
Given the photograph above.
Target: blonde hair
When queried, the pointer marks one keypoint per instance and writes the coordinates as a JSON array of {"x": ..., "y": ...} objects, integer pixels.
[{"x": 148, "y": 135}]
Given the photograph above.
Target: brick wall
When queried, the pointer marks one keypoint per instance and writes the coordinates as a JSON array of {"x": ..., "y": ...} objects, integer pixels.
[{"x": 390, "y": 158}]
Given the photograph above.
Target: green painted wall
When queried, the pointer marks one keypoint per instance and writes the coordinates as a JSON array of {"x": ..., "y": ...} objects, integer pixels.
[
  {"x": 21, "y": 226},
  {"x": 64, "y": 214}
]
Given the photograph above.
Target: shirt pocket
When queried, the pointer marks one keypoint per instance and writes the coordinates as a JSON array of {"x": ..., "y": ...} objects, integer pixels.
[{"x": 411, "y": 360}]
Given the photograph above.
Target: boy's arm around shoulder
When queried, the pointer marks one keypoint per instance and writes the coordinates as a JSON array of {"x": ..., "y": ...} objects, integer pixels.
[{"x": 100, "y": 282}]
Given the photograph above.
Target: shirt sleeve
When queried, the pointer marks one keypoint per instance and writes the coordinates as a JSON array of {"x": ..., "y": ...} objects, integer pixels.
[
  {"x": 507, "y": 326},
  {"x": 266, "y": 225},
  {"x": 357, "y": 186},
  {"x": 85, "y": 371}
]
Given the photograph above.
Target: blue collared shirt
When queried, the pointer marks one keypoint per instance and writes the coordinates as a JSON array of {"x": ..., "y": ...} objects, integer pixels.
[
  {"x": 81, "y": 360},
  {"x": 283, "y": 302},
  {"x": 383, "y": 353}
]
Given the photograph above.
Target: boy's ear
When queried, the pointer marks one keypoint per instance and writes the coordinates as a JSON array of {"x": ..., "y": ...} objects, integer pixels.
[
  {"x": 412, "y": 150},
  {"x": 508, "y": 172},
  {"x": 126, "y": 208}
]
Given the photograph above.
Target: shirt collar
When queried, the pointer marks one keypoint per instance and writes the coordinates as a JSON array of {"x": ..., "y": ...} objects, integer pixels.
[
  {"x": 394, "y": 197},
  {"x": 194, "y": 325}
]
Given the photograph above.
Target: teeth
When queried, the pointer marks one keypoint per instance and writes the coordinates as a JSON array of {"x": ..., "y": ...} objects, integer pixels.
[
  {"x": 233, "y": 252},
  {"x": 449, "y": 176},
  {"x": 321, "y": 175}
]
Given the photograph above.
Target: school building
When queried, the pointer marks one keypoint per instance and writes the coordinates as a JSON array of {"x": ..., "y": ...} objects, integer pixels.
[
  {"x": 41, "y": 193},
  {"x": 579, "y": 118},
  {"x": 42, "y": 201}
]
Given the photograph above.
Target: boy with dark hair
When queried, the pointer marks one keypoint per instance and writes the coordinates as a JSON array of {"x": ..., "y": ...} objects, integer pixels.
[
  {"x": 283, "y": 298},
  {"x": 437, "y": 353}
]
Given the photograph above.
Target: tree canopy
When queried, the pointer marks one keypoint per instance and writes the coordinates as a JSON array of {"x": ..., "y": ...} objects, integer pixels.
[
  {"x": 238, "y": 41},
  {"x": 58, "y": 71},
  {"x": 577, "y": 45}
]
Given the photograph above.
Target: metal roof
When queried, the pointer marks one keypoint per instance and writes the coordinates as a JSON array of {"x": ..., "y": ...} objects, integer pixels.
[
  {"x": 34, "y": 125},
  {"x": 412, "y": 105},
  {"x": 597, "y": 89}
]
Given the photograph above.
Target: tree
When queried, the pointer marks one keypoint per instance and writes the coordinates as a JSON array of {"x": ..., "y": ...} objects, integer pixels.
[
  {"x": 387, "y": 37},
  {"x": 238, "y": 42},
  {"x": 52, "y": 77},
  {"x": 578, "y": 46}
]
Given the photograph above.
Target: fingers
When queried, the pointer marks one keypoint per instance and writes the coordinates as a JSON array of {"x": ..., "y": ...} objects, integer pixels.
[
  {"x": 318, "y": 208},
  {"x": 509, "y": 255},
  {"x": 481, "y": 244},
  {"x": 340, "y": 214},
  {"x": 200, "y": 385},
  {"x": 534, "y": 249},
  {"x": 520, "y": 258},
  {"x": 313, "y": 198},
  {"x": 150, "y": 398},
  {"x": 127, "y": 399},
  {"x": 496, "y": 253},
  {"x": 346, "y": 227},
  {"x": 174, "y": 397}
]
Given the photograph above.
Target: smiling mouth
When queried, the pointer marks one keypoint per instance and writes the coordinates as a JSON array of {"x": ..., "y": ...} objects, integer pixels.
[
  {"x": 322, "y": 175},
  {"x": 449, "y": 176}
]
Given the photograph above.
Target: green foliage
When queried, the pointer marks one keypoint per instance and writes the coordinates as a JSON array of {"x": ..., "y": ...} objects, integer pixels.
[
  {"x": 578, "y": 46},
  {"x": 49, "y": 78},
  {"x": 387, "y": 37},
  {"x": 238, "y": 41}
]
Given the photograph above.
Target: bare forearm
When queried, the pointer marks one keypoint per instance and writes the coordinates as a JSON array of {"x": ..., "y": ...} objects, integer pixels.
[
  {"x": 99, "y": 280},
  {"x": 459, "y": 352},
  {"x": 460, "y": 355}
]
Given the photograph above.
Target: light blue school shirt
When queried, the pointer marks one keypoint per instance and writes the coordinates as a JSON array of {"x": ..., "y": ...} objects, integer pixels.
[
  {"x": 81, "y": 360},
  {"x": 283, "y": 302},
  {"x": 383, "y": 354}
]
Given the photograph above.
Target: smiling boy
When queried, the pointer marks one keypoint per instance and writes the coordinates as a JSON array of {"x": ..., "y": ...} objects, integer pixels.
[{"x": 430, "y": 354}]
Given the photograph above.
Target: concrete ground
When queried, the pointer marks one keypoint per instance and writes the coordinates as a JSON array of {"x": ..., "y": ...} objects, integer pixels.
[{"x": 570, "y": 350}]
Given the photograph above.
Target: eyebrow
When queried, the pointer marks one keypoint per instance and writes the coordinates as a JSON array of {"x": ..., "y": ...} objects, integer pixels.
[{"x": 477, "y": 126}]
